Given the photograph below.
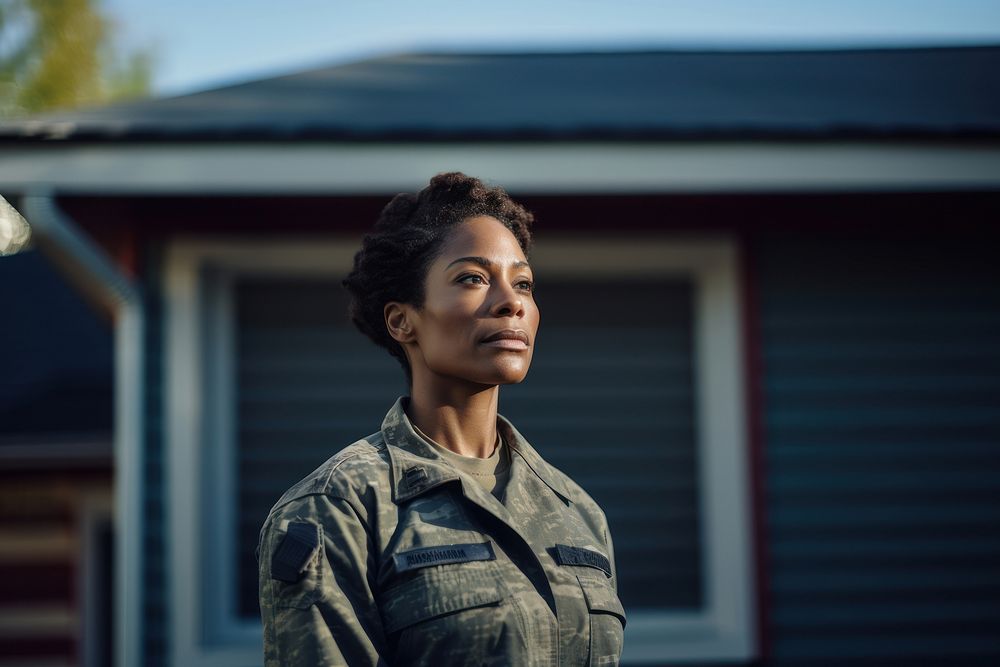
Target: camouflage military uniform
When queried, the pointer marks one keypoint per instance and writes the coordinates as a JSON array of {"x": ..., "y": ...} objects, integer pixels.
[{"x": 386, "y": 554}]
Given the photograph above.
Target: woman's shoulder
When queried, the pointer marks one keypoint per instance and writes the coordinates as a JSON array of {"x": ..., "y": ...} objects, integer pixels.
[
  {"x": 577, "y": 495},
  {"x": 347, "y": 474}
]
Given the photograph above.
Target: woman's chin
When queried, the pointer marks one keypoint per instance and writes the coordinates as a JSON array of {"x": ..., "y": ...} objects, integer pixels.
[
  {"x": 513, "y": 380},
  {"x": 511, "y": 371},
  {"x": 511, "y": 376},
  {"x": 488, "y": 374},
  {"x": 498, "y": 376}
]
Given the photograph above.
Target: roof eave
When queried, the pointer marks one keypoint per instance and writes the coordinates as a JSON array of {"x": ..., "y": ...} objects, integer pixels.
[{"x": 55, "y": 135}]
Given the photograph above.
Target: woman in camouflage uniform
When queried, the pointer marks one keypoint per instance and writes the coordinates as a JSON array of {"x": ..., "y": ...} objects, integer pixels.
[{"x": 443, "y": 537}]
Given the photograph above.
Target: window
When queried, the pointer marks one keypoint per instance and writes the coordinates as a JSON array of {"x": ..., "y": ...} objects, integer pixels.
[{"x": 635, "y": 391}]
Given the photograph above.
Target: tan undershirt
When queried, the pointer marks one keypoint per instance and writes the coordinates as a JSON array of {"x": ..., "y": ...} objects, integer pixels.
[{"x": 490, "y": 473}]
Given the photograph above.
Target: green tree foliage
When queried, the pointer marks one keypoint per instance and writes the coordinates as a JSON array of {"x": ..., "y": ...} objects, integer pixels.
[{"x": 59, "y": 54}]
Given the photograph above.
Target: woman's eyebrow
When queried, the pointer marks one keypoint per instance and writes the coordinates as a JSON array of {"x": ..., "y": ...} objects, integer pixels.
[{"x": 485, "y": 263}]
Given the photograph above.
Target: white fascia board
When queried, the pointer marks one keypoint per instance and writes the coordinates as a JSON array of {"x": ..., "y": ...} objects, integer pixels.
[{"x": 557, "y": 168}]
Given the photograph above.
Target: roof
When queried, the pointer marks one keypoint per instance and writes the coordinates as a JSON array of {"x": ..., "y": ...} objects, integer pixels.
[{"x": 899, "y": 92}]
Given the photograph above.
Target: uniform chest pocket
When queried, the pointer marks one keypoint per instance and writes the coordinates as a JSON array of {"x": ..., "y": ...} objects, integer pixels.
[
  {"x": 439, "y": 591},
  {"x": 607, "y": 620},
  {"x": 450, "y": 614}
]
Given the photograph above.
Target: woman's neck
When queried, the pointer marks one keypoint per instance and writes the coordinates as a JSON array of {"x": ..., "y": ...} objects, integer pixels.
[{"x": 462, "y": 421}]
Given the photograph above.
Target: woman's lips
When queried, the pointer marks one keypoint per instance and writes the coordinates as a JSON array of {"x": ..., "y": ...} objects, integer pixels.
[
  {"x": 507, "y": 339},
  {"x": 506, "y": 344}
]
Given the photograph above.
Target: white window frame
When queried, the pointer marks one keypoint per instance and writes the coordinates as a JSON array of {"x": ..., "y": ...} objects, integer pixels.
[
  {"x": 95, "y": 511},
  {"x": 198, "y": 285}
]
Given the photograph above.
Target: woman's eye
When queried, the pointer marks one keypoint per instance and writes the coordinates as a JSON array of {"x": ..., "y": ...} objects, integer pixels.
[
  {"x": 527, "y": 285},
  {"x": 472, "y": 275}
]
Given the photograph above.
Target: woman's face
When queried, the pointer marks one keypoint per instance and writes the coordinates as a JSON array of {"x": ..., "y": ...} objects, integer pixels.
[{"x": 479, "y": 286}]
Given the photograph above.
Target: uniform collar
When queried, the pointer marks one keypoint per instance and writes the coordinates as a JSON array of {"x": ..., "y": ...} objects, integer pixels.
[{"x": 417, "y": 468}]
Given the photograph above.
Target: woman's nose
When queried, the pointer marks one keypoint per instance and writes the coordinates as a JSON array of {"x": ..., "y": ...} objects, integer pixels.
[{"x": 508, "y": 302}]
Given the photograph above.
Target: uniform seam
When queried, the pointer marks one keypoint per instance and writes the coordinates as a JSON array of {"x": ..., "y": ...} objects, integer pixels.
[
  {"x": 335, "y": 466},
  {"x": 325, "y": 493}
]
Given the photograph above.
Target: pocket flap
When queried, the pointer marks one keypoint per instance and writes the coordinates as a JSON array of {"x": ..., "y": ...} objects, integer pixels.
[
  {"x": 434, "y": 593},
  {"x": 601, "y": 597}
]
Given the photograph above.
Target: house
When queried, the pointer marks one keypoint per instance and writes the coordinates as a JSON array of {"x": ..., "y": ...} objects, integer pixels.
[
  {"x": 55, "y": 469},
  {"x": 770, "y": 343}
]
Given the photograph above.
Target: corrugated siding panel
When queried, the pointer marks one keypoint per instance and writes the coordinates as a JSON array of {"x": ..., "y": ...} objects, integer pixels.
[
  {"x": 882, "y": 378},
  {"x": 40, "y": 566},
  {"x": 608, "y": 400}
]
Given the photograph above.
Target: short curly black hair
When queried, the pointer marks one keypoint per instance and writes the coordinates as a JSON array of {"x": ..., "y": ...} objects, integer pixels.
[{"x": 394, "y": 257}]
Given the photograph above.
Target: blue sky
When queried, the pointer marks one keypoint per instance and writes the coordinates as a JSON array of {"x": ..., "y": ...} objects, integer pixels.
[{"x": 201, "y": 44}]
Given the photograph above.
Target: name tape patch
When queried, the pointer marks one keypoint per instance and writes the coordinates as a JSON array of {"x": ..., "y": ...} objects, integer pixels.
[
  {"x": 297, "y": 548},
  {"x": 567, "y": 555},
  {"x": 443, "y": 555}
]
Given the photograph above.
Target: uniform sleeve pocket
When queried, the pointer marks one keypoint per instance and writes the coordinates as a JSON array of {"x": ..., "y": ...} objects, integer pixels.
[
  {"x": 296, "y": 572},
  {"x": 433, "y": 594},
  {"x": 601, "y": 597}
]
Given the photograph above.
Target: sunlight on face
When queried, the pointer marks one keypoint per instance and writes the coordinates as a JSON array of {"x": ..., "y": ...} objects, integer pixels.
[{"x": 479, "y": 286}]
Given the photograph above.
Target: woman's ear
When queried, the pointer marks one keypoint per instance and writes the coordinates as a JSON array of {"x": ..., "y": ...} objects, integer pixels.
[{"x": 397, "y": 321}]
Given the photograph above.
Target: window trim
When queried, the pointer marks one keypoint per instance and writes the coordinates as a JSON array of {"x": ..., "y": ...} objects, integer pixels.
[
  {"x": 96, "y": 511},
  {"x": 198, "y": 283}
]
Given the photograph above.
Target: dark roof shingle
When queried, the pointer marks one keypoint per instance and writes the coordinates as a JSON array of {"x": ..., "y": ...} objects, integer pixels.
[{"x": 921, "y": 92}]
